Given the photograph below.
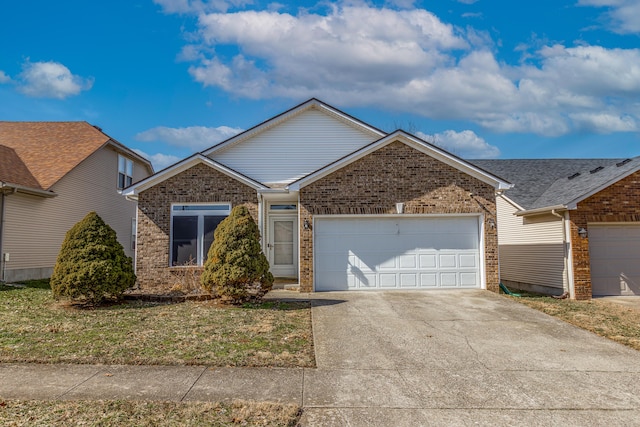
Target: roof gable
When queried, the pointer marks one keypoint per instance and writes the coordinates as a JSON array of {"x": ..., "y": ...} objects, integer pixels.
[
  {"x": 184, "y": 165},
  {"x": 553, "y": 183},
  {"x": 294, "y": 144},
  {"x": 14, "y": 171},
  {"x": 50, "y": 150},
  {"x": 414, "y": 142}
]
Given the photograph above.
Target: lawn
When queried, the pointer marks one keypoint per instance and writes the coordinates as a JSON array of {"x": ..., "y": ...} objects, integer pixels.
[
  {"x": 36, "y": 328},
  {"x": 110, "y": 413},
  {"x": 607, "y": 319}
]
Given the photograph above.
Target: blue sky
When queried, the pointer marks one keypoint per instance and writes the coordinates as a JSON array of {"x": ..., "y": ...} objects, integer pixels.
[{"x": 492, "y": 79}]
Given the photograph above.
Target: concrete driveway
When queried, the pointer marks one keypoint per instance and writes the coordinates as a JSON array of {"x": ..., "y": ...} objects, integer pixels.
[{"x": 461, "y": 358}]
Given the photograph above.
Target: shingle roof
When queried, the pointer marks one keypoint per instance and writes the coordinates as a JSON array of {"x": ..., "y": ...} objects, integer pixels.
[
  {"x": 541, "y": 183},
  {"x": 49, "y": 150},
  {"x": 14, "y": 171}
]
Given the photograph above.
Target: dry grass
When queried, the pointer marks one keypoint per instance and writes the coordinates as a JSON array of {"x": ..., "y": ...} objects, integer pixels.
[
  {"x": 111, "y": 413},
  {"x": 607, "y": 319},
  {"x": 35, "y": 328}
]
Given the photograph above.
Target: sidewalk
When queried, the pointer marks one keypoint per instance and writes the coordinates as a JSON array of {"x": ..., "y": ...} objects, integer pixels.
[{"x": 162, "y": 383}]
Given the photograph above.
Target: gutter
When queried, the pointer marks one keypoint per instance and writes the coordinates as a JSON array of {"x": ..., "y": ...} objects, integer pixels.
[
  {"x": 26, "y": 190},
  {"x": 547, "y": 209}
]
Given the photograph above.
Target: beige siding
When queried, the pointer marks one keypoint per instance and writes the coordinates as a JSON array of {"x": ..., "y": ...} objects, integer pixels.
[
  {"x": 531, "y": 248},
  {"x": 35, "y": 226},
  {"x": 294, "y": 148}
]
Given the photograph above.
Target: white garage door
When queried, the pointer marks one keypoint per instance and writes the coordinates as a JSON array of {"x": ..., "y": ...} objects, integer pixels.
[
  {"x": 396, "y": 253},
  {"x": 615, "y": 259}
]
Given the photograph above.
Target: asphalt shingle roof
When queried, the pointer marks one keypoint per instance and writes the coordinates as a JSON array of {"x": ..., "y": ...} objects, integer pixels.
[
  {"x": 14, "y": 171},
  {"x": 543, "y": 183},
  {"x": 50, "y": 150}
]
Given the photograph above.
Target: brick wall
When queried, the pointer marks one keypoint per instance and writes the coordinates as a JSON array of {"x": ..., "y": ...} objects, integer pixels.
[
  {"x": 199, "y": 184},
  {"x": 397, "y": 173},
  {"x": 619, "y": 202}
]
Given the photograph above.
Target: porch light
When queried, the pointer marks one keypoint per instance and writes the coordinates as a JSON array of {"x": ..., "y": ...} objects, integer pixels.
[
  {"x": 582, "y": 232},
  {"x": 306, "y": 224},
  {"x": 491, "y": 222},
  {"x": 399, "y": 208}
]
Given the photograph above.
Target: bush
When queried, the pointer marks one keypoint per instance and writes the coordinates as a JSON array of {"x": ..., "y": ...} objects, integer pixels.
[
  {"x": 236, "y": 268},
  {"x": 92, "y": 265}
]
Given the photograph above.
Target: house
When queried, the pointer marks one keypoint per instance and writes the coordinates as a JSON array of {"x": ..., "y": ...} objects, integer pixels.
[
  {"x": 340, "y": 205},
  {"x": 570, "y": 225},
  {"x": 51, "y": 175}
]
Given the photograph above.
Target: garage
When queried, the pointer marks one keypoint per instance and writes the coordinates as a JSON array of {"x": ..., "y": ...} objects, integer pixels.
[
  {"x": 393, "y": 252},
  {"x": 614, "y": 251}
]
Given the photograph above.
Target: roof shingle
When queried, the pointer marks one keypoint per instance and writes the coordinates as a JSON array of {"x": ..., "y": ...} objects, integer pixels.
[{"x": 50, "y": 150}]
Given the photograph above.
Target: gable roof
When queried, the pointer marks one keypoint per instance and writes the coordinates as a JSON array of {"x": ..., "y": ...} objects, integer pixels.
[
  {"x": 14, "y": 171},
  {"x": 292, "y": 112},
  {"x": 135, "y": 189},
  {"x": 50, "y": 150},
  {"x": 412, "y": 141},
  {"x": 551, "y": 183}
]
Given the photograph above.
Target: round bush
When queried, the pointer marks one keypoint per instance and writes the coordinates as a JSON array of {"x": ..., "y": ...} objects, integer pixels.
[
  {"x": 236, "y": 268},
  {"x": 92, "y": 265}
]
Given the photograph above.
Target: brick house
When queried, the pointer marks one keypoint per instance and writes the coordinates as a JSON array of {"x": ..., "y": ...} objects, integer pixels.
[
  {"x": 340, "y": 205},
  {"x": 570, "y": 225}
]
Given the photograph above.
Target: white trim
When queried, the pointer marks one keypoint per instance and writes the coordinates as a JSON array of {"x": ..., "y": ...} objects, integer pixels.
[
  {"x": 481, "y": 241},
  {"x": 569, "y": 250},
  {"x": 546, "y": 209},
  {"x": 184, "y": 165},
  {"x": 510, "y": 201},
  {"x": 305, "y": 106},
  {"x": 410, "y": 141}
]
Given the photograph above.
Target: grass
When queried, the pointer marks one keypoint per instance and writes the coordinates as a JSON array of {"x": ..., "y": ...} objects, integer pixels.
[
  {"x": 110, "y": 413},
  {"x": 36, "y": 328},
  {"x": 607, "y": 319}
]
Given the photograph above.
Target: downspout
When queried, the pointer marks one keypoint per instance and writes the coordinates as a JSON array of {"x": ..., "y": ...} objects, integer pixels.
[{"x": 566, "y": 245}]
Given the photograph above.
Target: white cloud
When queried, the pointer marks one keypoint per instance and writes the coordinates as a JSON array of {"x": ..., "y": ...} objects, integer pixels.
[
  {"x": 50, "y": 80},
  {"x": 622, "y": 16},
  {"x": 195, "y": 138},
  {"x": 411, "y": 61},
  {"x": 159, "y": 160},
  {"x": 464, "y": 144},
  {"x": 4, "y": 78}
]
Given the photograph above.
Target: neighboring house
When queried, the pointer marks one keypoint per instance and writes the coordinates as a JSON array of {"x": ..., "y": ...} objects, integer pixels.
[
  {"x": 340, "y": 205},
  {"x": 51, "y": 175},
  {"x": 570, "y": 225}
]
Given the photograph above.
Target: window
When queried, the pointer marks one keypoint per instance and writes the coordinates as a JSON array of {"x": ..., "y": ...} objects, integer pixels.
[
  {"x": 125, "y": 172},
  {"x": 192, "y": 228}
]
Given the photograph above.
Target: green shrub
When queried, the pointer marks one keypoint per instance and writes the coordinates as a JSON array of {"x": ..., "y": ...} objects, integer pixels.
[
  {"x": 236, "y": 268},
  {"x": 92, "y": 265}
]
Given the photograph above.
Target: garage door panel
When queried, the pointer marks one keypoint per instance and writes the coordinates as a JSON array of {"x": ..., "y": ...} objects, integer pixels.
[
  {"x": 395, "y": 253},
  {"x": 614, "y": 252},
  {"x": 427, "y": 261}
]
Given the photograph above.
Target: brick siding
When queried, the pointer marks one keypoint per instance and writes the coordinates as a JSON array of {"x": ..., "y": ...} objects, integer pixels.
[
  {"x": 619, "y": 202},
  {"x": 397, "y": 173},
  {"x": 198, "y": 184}
]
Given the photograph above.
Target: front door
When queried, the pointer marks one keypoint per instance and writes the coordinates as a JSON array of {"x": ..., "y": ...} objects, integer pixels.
[{"x": 282, "y": 246}]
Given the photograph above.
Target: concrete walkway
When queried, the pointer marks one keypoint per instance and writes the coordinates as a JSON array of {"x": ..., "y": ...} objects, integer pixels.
[{"x": 397, "y": 358}]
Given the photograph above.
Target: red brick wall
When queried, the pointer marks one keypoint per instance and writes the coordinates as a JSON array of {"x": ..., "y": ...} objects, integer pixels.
[
  {"x": 199, "y": 184},
  {"x": 619, "y": 202},
  {"x": 397, "y": 173}
]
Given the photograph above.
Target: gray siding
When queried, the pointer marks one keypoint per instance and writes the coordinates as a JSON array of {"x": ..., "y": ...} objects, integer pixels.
[
  {"x": 35, "y": 226},
  {"x": 531, "y": 248}
]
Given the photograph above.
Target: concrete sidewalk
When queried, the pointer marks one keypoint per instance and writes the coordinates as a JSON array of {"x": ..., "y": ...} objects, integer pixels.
[{"x": 397, "y": 358}]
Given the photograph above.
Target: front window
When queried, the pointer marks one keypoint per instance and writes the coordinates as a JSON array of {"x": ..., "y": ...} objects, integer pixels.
[
  {"x": 125, "y": 172},
  {"x": 192, "y": 228}
]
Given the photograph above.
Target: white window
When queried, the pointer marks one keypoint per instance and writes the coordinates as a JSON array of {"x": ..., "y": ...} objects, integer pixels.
[
  {"x": 125, "y": 172},
  {"x": 192, "y": 228}
]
